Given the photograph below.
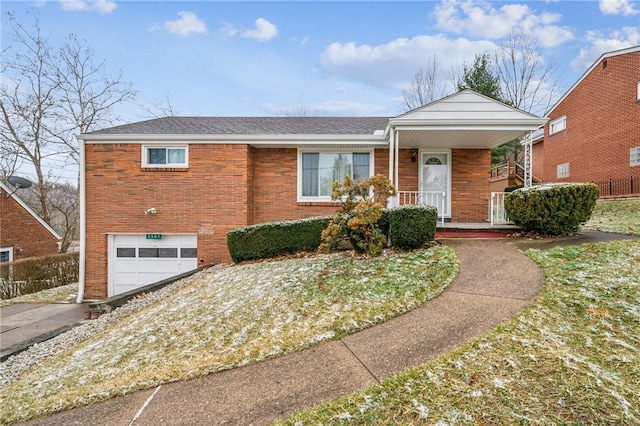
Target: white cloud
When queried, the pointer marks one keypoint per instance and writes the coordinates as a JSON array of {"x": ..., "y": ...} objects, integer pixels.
[
  {"x": 187, "y": 23},
  {"x": 392, "y": 65},
  {"x": 300, "y": 41},
  {"x": 599, "y": 44},
  {"x": 481, "y": 19},
  {"x": 263, "y": 31},
  {"x": 228, "y": 30},
  {"x": 617, "y": 7},
  {"x": 100, "y": 6}
]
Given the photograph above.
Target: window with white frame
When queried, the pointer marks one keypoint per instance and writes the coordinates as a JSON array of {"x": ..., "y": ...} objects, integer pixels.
[
  {"x": 6, "y": 254},
  {"x": 563, "y": 170},
  {"x": 318, "y": 170},
  {"x": 634, "y": 156},
  {"x": 558, "y": 125},
  {"x": 165, "y": 156}
]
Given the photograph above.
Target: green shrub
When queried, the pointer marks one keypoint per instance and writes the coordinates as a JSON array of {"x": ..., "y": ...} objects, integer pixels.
[
  {"x": 412, "y": 226},
  {"x": 553, "y": 209},
  {"x": 26, "y": 276},
  {"x": 276, "y": 238}
]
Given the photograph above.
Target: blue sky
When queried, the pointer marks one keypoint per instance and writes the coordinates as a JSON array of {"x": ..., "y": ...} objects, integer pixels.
[{"x": 329, "y": 58}]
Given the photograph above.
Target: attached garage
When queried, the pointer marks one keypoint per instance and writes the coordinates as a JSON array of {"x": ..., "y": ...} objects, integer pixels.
[{"x": 140, "y": 259}]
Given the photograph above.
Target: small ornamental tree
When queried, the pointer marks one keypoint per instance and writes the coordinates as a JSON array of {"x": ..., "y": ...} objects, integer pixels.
[{"x": 357, "y": 220}]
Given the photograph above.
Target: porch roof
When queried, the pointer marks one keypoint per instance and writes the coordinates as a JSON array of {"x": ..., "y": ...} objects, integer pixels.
[{"x": 463, "y": 120}]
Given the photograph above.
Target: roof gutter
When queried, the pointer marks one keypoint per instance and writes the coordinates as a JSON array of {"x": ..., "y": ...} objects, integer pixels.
[{"x": 284, "y": 139}]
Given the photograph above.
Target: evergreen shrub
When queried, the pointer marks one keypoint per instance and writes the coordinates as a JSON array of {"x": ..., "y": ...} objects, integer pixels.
[
  {"x": 552, "y": 209},
  {"x": 411, "y": 226},
  {"x": 276, "y": 238}
]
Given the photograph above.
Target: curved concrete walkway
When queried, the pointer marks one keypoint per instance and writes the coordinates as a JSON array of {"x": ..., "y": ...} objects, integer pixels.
[{"x": 495, "y": 282}]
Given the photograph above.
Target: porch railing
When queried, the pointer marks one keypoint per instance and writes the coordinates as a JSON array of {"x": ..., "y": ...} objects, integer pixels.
[
  {"x": 497, "y": 212},
  {"x": 436, "y": 199}
]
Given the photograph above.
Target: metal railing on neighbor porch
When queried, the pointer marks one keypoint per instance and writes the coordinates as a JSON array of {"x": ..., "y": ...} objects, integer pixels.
[
  {"x": 497, "y": 212},
  {"x": 429, "y": 198}
]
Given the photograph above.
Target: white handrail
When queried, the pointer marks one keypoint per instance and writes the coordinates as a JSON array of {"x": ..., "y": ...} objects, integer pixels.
[
  {"x": 497, "y": 212},
  {"x": 436, "y": 199}
]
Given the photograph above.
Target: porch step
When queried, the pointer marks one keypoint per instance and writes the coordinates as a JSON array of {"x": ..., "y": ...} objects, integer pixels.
[{"x": 478, "y": 231}]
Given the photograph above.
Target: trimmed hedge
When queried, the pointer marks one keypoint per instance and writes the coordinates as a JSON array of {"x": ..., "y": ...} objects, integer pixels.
[
  {"x": 412, "y": 226},
  {"x": 26, "y": 276},
  {"x": 276, "y": 238},
  {"x": 554, "y": 209}
]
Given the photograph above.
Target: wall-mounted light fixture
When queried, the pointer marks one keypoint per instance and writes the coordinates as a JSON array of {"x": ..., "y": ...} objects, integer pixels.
[
  {"x": 414, "y": 155},
  {"x": 151, "y": 210}
]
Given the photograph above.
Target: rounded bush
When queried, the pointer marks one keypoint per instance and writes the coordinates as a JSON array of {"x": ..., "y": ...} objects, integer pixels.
[
  {"x": 553, "y": 209},
  {"x": 412, "y": 226},
  {"x": 275, "y": 238}
]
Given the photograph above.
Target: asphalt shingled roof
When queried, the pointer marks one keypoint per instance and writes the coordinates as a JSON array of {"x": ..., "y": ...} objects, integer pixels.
[{"x": 250, "y": 126}]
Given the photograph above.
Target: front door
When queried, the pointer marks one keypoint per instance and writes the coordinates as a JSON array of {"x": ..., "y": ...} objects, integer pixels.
[{"x": 435, "y": 180}]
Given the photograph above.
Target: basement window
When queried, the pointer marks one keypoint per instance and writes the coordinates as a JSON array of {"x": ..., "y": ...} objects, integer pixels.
[
  {"x": 558, "y": 125},
  {"x": 563, "y": 170},
  {"x": 165, "y": 156},
  {"x": 634, "y": 156}
]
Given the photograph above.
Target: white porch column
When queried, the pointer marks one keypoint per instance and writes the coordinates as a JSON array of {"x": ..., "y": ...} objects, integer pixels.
[
  {"x": 397, "y": 159},
  {"x": 392, "y": 201},
  {"x": 528, "y": 166}
]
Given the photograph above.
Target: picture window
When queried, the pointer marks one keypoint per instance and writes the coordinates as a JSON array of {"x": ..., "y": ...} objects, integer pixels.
[{"x": 319, "y": 170}]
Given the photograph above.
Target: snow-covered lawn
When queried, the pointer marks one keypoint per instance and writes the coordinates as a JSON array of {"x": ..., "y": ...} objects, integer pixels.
[
  {"x": 221, "y": 318},
  {"x": 62, "y": 294},
  {"x": 619, "y": 216},
  {"x": 571, "y": 358}
]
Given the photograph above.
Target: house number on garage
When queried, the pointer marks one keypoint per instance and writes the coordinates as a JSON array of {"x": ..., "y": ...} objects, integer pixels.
[{"x": 154, "y": 236}]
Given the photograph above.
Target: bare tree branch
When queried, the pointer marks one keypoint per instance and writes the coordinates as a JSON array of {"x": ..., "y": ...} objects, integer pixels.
[{"x": 424, "y": 87}]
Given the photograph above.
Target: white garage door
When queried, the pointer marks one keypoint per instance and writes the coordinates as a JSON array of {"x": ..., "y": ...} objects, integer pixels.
[{"x": 138, "y": 260}]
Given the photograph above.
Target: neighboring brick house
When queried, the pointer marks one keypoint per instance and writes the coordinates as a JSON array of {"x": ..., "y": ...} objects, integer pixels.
[
  {"x": 22, "y": 232},
  {"x": 158, "y": 197},
  {"x": 593, "y": 133}
]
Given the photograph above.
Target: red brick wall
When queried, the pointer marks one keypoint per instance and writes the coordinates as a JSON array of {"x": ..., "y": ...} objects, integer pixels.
[
  {"x": 226, "y": 187},
  {"x": 470, "y": 185},
  {"x": 20, "y": 230},
  {"x": 209, "y": 198},
  {"x": 537, "y": 155},
  {"x": 603, "y": 123}
]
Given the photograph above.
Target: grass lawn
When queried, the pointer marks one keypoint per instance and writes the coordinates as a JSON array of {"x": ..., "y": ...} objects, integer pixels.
[
  {"x": 227, "y": 317},
  {"x": 572, "y": 358},
  {"x": 62, "y": 294},
  {"x": 621, "y": 216}
]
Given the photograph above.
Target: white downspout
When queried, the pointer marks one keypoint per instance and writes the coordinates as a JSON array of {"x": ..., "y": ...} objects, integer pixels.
[
  {"x": 83, "y": 223},
  {"x": 392, "y": 201}
]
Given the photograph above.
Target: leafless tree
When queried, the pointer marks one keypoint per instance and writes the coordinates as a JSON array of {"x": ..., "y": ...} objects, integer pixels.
[
  {"x": 48, "y": 95},
  {"x": 529, "y": 82},
  {"x": 425, "y": 86},
  {"x": 161, "y": 108}
]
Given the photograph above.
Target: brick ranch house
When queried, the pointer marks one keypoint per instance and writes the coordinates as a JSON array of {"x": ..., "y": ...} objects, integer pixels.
[
  {"x": 593, "y": 133},
  {"x": 22, "y": 232},
  {"x": 158, "y": 197}
]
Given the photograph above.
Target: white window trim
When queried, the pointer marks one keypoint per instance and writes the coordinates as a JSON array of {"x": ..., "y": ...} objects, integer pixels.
[
  {"x": 562, "y": 167},
  {"x": 633, "y": 163},
  {"x": 301, "y": 151},
  {"x": 145, "y": 159},
  {"x": 10, "y": 250},
  {"x": 563, "y": 120},
  {"x": 638, "y": 92}
]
